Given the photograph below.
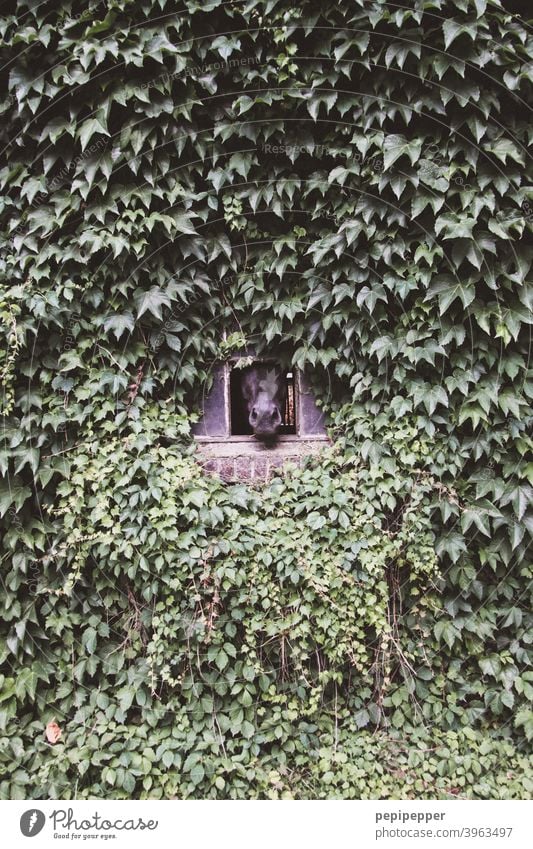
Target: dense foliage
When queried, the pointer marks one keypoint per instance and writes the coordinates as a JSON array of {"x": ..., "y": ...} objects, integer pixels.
[{"x": 349, "y": 184}]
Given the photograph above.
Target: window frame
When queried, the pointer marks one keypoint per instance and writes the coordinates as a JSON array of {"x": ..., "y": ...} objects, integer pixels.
[{"x": 223, "y": 372}]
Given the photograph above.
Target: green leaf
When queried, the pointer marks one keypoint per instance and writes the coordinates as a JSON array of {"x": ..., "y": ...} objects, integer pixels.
[
  {"x": 316, "y": 520},
  {"x": 434, "y": 396},
  {"x": 476, "y": 517},
  {"x": 247, "y": 730},
  {"x": 26, "y": 683},
  {"x": 503, "y": 148},
  {"x": 88, "y": 640},
  {"x": 490, "y": 665},
  {"x": 396, "y": 146},
  {"x": 168, "y": 759},
  {"x": 361, "y": 718},
  {"x": 447, "y": 290},
  {"x": 446, "y": 630},
  {"x": 225, "y": 46},
  {"x": 454, "y": 226},
  {"x": 221, "y": 660},
  {"x": 13, "y": 495},
  {"x": 88, "y": 129},
  {"x": 101, "y": 26},
  {"x": 152, "y": 301},
  {"x": 453, "y": 29},
  {"x": 119, "y": 323}
]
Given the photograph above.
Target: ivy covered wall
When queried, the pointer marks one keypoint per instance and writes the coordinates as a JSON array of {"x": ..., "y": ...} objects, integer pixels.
[{"x": 348, "y": 185}]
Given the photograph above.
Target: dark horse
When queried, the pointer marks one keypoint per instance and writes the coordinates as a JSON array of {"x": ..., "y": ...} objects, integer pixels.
[{"x": 264, "y": 392}]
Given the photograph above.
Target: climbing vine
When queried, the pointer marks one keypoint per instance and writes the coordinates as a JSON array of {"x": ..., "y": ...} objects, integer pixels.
[{"x": 350, "y": 186}]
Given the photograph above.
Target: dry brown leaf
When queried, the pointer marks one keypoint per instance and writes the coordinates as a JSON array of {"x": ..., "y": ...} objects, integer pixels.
[{"x": 53, "y": 731}]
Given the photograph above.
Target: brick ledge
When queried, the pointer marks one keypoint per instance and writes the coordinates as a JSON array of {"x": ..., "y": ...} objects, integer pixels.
[{"x": 245, "y": 458}]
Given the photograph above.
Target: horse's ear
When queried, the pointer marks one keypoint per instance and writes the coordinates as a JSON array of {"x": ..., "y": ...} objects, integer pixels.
[{"x": 249, "y": 385}]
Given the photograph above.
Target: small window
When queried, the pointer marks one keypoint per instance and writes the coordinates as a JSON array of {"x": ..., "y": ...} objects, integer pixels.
[
  {"x": 224, "y": 416},
  {"x": 239, "y": 424}
]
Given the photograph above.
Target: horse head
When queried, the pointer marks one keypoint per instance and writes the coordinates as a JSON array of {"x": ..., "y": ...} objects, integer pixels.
[{"x": 264, "y": 391}]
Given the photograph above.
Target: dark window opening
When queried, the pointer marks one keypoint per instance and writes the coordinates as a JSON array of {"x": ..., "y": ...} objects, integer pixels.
[{"x": 239, "y": 424}]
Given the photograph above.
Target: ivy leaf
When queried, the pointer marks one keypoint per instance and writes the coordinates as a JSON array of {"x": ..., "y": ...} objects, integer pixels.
[
  {"x": 521, "y": 497},
  {"x": 447, "y": 631},
  {"x": 102, "y": 26},
  {"x": 361, "y": 718},
  {"x": 396, "y": 146},
  {"x": 447, "y": 290},
  {"x": 401, "y": 406},
  {"x": 197, "y": 774},
  {"x": 370, "y": 297},
  {"x": 477, "y": 517},
  {"x": 152, "y": 301},
  {"x": 88, "y": 640},
  {"x": 30, "y": 457},
  {"x": 503, "y": 148},
  {"x": 452, "y": 544},
  {"x": 247, "y": 730},
  {"x": 13, "y": 495},
  {"x": 454, "y": 226},
  {"x": 183, "y": 224},
  {"x": 490, "y": 665},
  {"x": 119, "y": 323},
  {"x": 221, "y": 659},
  {"x": 524, "y": 719},
  {"x": 453, "y": 29},
  {"x": 168, "y": 759},
  {"x": 316, "y": 520},
  {"x": 26, "y": 683},
  {"x": 88, "y": 129},
  {"x": 225, "y": 46}
]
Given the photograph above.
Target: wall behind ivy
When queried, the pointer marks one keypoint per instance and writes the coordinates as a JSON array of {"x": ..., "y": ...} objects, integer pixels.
[{"x": 348, "y": 185}]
